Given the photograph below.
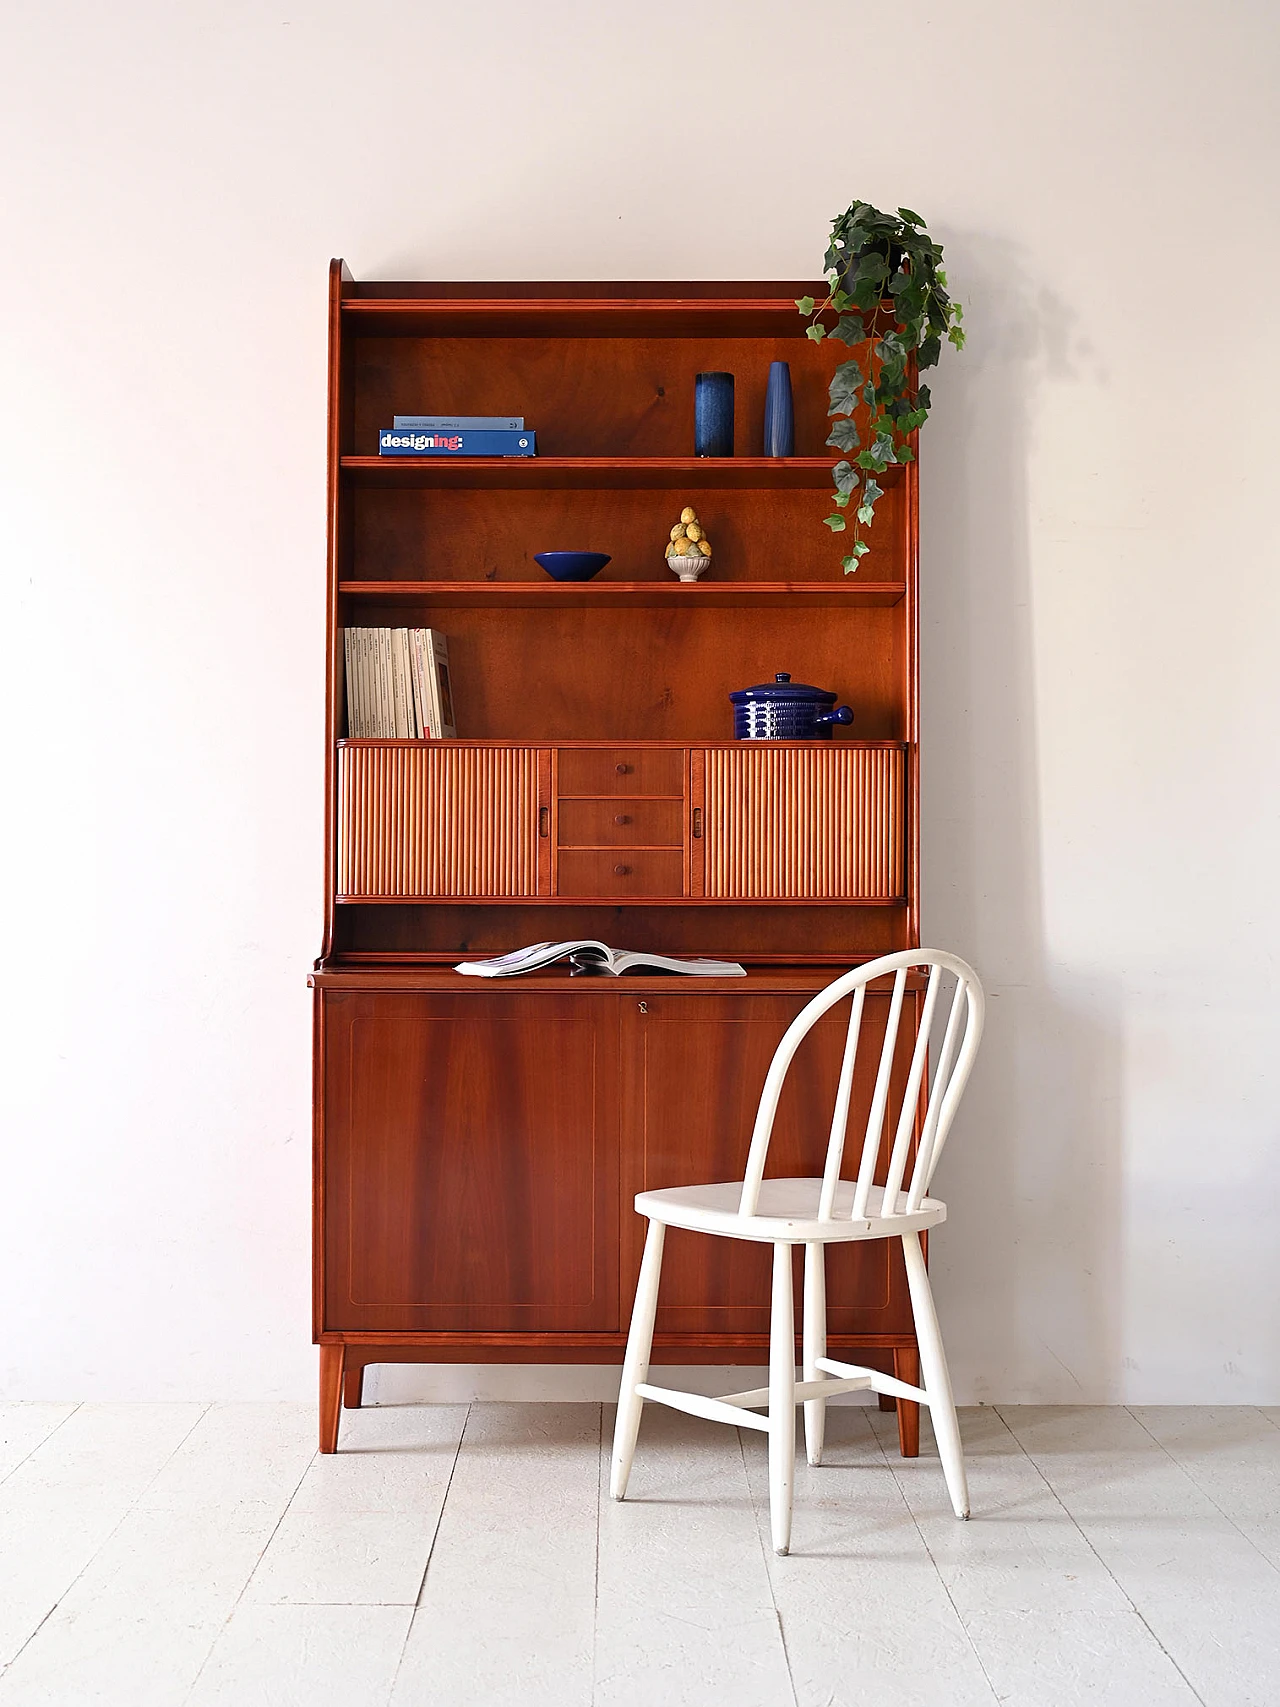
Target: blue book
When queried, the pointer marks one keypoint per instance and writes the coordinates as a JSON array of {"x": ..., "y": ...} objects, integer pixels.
[
  {"x": 407, "y": 442},
  {"x": 461, "y": 423}
]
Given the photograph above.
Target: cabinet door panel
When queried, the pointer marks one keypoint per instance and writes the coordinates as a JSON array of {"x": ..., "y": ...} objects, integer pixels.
[
  {"x": 695, "y": 1075},
  {"x": 417, "y": 821},
  {"x": 470, "y": 1163},
  {"x": 819, "y": 823}
]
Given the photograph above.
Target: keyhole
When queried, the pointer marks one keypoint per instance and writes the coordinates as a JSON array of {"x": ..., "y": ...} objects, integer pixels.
[{"x": 644, "y": 1007}]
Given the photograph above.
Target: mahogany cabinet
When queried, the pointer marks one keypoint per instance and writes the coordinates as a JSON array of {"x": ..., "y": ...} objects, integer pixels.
[
  {"x": 478, "y": 1152},
  {"x": 478, "y": 1145}
]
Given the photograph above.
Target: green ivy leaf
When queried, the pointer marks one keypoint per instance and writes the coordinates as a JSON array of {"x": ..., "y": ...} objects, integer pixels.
[
  {"x": 841, "y": 500},
  {"x": 836, "y": 523},
  {"x": 911, "y": 218},
  {"x": 955, "y": 337},
  {"x": 849, "y": 329},
  {"x": 844, "y": 436},
  {"x": 849, "y": 564},
  {"x": 806, "y": 305},
  {"x": 906, "y": 454},
  {"x": 817, "y": 332},
  {"x": 843, "y": 477},
  {"x": 930, "y": 350},
  {"x": 866, "y": 514},
  {"x": 871, "y": 491},
  {"x": 843, "y": 390}
]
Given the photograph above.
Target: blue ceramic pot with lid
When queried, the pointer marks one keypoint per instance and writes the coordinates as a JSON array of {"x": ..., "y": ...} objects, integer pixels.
[{"x": 783, "y": 710}]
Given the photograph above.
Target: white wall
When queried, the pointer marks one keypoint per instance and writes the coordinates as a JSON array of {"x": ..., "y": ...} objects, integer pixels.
[{"x": 1099, "y": 609}]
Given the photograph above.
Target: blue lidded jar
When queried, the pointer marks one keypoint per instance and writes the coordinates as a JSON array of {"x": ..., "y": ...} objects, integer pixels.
[{"x": 783, "y": 710}]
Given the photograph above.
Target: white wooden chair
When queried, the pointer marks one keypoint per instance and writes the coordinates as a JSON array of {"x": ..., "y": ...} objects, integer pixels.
[{"x": 819, "y": 1212}]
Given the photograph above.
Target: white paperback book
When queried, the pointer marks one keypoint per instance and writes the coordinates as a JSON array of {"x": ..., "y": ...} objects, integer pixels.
[
  {"x": 439, "y": 686},
  {"x": 590, "y": 956}
]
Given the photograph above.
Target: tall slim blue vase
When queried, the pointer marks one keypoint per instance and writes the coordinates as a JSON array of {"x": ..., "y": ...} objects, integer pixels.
[
  {"x": 713, "y": 414},
  {"x": 779, "y": 412}
]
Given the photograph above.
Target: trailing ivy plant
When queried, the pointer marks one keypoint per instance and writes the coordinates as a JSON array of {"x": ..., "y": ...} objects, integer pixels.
[{"x": 888, "y": 292}]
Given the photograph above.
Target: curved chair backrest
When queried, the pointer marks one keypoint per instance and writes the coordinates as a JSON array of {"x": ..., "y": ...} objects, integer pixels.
[{"x": 938, "y": 1102}]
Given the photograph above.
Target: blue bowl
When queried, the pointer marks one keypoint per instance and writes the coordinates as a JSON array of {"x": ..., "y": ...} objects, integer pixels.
[{"x": 572, "y": 565}]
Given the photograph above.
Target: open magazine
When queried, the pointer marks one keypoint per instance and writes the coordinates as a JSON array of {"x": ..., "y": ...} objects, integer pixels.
[{"x": 588, "y": 956}]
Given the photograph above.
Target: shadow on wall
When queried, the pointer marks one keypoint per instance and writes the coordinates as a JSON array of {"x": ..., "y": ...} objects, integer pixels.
[{"x": 1028, "y": 1269}]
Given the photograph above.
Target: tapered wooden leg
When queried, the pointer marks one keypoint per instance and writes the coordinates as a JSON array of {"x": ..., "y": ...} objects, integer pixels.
[
  {"x": 332, "y": 1359},
  {"x": 635, "y": 1368},
  {"x": 782, "y": 1401},
  {"x": 906, "y": 1366},
  {"x": 936, "y": 1382},
  {"x": 353, "y": 1388},
  {"x": 815, "y": 1345}
]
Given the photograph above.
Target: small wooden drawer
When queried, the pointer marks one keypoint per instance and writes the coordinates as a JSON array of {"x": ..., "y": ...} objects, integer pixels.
[
  {"x": 621, "y": 824},
  {"x": 616, "y": 770},
  {"x": 593, "y": 872}
]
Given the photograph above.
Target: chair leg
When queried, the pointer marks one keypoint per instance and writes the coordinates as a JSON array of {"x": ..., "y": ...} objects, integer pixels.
[
  {"x": 782, "y": 1400},
  {"x": 635, "y": 1368},
  {"x": 935, "y": 1379},
  {"x": 815, "y": 1344}
]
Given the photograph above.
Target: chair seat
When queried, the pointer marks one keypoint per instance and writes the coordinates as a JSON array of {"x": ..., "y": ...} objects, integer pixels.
[{"x": 787, "y": 1211}]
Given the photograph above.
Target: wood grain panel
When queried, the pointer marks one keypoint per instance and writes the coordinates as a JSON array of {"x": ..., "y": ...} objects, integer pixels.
[
  {"x": 816, "y": 824},
  {"x": 623, "y": 872},
  {"x": 620, "y": 823},
  {"x": 437, "y": 820},
  {"x": 470, "y": 1162}
]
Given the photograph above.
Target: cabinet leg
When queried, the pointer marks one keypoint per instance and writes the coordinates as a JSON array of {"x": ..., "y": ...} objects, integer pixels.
[
  {"x": 332, "y": 1359},
  {"x": 353, "y": 1387},
  {"x": 906, "y": 1366},
  {"x": 886, "y": 1401}
]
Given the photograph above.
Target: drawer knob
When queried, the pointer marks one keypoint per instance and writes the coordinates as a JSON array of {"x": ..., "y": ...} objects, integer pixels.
[
  {"x": 622, "y": 871},
  {"x": 623, "y": 770},
  {"x": 622, "y": 818}
]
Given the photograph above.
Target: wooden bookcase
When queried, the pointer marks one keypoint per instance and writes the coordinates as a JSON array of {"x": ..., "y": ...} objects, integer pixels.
[{"x": 478, "y": 1144}]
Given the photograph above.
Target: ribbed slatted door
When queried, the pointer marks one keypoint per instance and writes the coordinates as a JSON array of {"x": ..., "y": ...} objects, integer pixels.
[
  {"x": 804, "y": 824},
  {"x": 415, "y": 822}
]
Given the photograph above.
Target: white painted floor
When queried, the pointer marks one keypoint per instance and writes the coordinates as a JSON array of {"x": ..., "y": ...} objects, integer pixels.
[{"x": 160, "y": 1555}]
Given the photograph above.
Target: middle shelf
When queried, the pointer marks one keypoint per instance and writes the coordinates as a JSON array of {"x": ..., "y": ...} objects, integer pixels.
[{"x": 626, "y": 595}]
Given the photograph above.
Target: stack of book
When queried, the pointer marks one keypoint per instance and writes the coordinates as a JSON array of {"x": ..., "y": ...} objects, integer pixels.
[
  {"x": 457, "y": 435},
  {"x": 398, "y": 684}
]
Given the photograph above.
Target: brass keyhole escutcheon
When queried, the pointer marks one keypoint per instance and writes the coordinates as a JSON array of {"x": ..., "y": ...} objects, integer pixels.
[{"x": 643, "y": 1006}]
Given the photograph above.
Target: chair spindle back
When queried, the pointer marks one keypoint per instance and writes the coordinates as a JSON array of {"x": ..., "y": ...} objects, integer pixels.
[{"x": 937, "y": 1100}]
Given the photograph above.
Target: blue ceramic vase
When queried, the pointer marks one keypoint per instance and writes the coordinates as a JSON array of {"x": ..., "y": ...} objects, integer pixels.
[
  {"x": 779, "y": 412},
  {"x": 713, "y": 414}
]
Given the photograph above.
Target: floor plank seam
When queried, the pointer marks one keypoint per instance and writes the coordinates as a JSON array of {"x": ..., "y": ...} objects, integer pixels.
[
  {"x": 1080, "y": 1530},
  {"x": 275, "y": 1528},
  {"x": 43, "y": 1441},
  {"x": 928, "y": 1551},
  {"x": 760, "y": 1519},
  {"x": 601, "y": 1494},
  {"x": 1196, "y": 1483},
  {"x": 112, "y": 1532},
  {"x": 426, "y": 1567}
]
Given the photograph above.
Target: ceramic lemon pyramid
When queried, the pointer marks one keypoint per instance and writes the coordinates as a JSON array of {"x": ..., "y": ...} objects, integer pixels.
[{"x": 689, "y": 552}]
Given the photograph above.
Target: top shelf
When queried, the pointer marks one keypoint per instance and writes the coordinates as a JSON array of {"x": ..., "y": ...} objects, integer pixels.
[
  {"x": 533, "y": 473},
  {"x": 638, "y": 316}
]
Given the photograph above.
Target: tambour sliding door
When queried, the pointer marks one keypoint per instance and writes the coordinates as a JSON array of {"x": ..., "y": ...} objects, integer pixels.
[
  {"x": 819, "y": 823},
  {"x": 444, "y": 820}
]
